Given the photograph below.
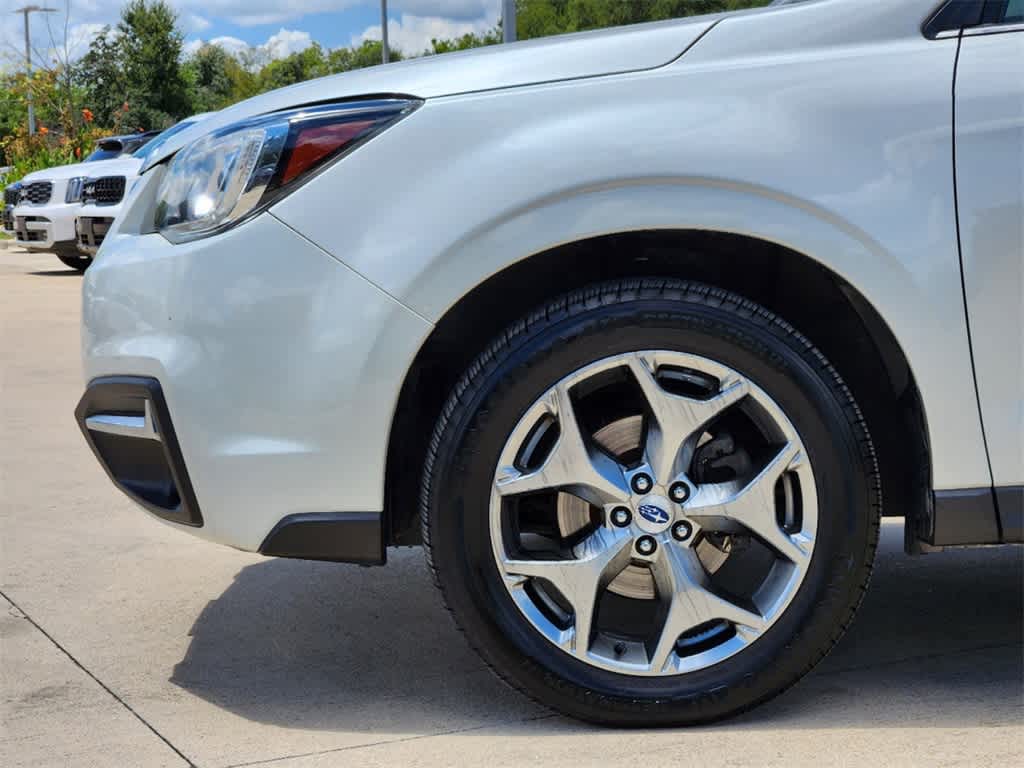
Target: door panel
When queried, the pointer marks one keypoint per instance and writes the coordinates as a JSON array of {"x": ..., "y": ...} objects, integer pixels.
[{"x": 990, "y": 194}]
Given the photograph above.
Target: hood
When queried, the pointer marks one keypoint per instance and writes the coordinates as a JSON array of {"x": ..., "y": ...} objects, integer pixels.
[
  {"x": 564, "y": 57},
  {"x": 118, "y": 166}
]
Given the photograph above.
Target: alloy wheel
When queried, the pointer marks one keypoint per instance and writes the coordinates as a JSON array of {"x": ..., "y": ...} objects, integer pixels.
[{"x": 653, "y": 513}]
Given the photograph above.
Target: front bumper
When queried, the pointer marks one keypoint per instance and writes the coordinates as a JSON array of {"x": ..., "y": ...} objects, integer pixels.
[
  {"x": 44, "y": 226},
  {"x": 280, "y": 368}
]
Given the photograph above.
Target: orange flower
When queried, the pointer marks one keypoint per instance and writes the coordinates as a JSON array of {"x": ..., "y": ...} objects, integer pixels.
[
  {"x": 87, "y": 115},
  {"x": 43, "y": 130},
  {"x": 78, "y": 151}
]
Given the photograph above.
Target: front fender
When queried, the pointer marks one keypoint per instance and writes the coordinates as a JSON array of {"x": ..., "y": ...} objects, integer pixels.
[{"x": 469, "y": 185}]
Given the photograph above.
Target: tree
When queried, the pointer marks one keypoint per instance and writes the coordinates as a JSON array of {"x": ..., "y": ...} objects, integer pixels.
[
  {"x": 467, "y": 41},
  {"x": 212, "y": 74},
  {"x": 540, "y": 18},
  {"x": 295, "y": 68},
  {"x": 102, "y": 77},
  {"x": 151, "y": 45},
  {"x": 367, "y": 54}
]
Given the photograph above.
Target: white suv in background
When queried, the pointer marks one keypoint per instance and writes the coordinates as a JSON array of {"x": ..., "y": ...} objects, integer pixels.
[
  {"x": 44, "y": 217},
  {"x": 103, "y": 194},
  {"x": 49, "y": 200}
]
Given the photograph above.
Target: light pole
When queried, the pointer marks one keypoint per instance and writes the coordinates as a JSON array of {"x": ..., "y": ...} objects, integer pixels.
[
  {"x": 508, "y": 21},
  {"x": 25, "y": 11},
  {"x": 385, "y": 54}
]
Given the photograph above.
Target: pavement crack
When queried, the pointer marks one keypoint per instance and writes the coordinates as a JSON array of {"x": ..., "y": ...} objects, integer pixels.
[
  {"x": 98, "y": 682},
  {"x": 418, "y": 737}
]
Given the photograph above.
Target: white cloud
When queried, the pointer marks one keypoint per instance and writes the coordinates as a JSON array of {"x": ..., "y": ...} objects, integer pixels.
[
  {"x": 193, "y": 22},
  {"x": 79, "y": 39},
  {"x": 253, "y": 13},
  {"x": 286, "y": 42},
  {"x": 412, "y": 34},
  {"x": 230, "y": 44},
  {"x": 413, "y": 23},
  {"x": 191, "y": 46},
  {"x": 282, "y": 43},
  {"x": 462, "y": 10}
]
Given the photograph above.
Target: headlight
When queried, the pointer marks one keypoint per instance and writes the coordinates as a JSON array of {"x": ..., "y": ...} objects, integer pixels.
[
  {"x": 231, "y": 174},
  {"x": 73, "y": 193}
]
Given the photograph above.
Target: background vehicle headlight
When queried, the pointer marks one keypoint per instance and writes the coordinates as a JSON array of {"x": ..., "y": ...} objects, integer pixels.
[
  {"x": 237, "y": 171},
  {"x": 73, "y": 193}
]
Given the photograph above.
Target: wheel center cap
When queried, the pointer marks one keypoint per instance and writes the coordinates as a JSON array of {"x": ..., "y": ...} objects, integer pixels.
[{"x": 653, "y": 514}]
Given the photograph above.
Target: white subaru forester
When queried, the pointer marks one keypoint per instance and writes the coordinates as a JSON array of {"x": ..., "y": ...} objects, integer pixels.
[{"x": 638, "y": 332}]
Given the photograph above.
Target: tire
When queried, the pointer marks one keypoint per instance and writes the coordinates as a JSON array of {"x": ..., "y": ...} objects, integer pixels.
[
  {"x": 620, "y": 318},
  {"x": 70, "y": 257}
]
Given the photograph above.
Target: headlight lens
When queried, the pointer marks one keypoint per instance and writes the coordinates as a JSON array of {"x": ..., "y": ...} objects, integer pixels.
[
  {"x": 229, "y": 175},
  {"x": 73, "y": 193}
]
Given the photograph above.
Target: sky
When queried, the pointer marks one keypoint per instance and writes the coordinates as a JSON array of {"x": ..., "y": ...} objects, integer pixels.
[{"x": 280, "y": 27}]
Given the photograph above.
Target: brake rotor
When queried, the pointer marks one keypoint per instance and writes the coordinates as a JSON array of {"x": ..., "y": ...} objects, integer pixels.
[{"x": 617, "y": 438}]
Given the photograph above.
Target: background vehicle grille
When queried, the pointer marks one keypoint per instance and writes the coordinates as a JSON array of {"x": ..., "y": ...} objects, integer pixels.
[
  {"x": 104, "y": 190},
  {"x": 91, "y": 230},
  {"x": 11, "y": 194},
  {"x": 37, "y": 193},
  {"x": 73, "y": 193}
]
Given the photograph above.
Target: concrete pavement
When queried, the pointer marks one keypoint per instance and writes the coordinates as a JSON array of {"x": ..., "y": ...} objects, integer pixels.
[{"x": 126, "y": 643}]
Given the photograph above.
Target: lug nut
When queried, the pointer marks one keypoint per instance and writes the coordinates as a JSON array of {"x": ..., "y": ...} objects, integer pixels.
[
  {"x": 646, "y": 545},
  {"x": 642, "y": 483},
  {"x": 679, "y": 492},
  {"x": 682, "y": 530},
  {"x": 621, "y": 517}
]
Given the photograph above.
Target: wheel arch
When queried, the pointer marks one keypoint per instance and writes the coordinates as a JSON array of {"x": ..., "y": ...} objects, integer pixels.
[{"x": 826, "y": 308}]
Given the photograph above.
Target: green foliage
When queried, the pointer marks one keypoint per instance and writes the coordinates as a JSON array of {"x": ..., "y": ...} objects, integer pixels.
[
  {"x": 295, "y": 68},
  {"x": 540, "y": 18},
  {"x": 212, "y": 74},
  {"x": 151, "y": 43},
  {"x": 491, "y": 37},
  {"x": 102, "y": 77},
  {"x": 13, "y": 114},
  {"x": 368, "y": 54}
]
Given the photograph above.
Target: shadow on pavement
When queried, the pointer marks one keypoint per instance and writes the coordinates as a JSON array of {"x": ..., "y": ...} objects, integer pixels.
[
  {"x": 57, "y": 273},
  {"x": 313, "y": 645}
]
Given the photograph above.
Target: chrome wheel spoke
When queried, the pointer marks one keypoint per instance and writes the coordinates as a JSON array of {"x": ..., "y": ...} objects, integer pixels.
[
  {"x": 599, "y": 559},
  {"x": 718, "y": 507},
  {"x": 684, "y": 585},
  {"x": 679, "y": 420},
  {"x": 572, "y": 465}
]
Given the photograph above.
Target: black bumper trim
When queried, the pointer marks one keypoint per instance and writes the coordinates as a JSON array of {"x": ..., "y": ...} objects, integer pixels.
[
  {"x": 964, "y": 517},
  {"x": 338, "y": 537},
  {"x": 134, "y": 465},
  {"x": 1010, "y": 503}
]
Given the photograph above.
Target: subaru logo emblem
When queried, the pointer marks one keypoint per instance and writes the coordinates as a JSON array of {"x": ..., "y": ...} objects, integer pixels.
[{"x": 653, "y": 514}]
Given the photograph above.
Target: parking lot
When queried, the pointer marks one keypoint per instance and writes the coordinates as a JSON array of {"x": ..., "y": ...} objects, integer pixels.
[{"x": 126, "y": 643}]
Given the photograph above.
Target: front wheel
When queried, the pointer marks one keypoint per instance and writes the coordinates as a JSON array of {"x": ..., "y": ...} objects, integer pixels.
[
  {"x": 70, "y": 257},
  {"x": 651, "y": 503}
]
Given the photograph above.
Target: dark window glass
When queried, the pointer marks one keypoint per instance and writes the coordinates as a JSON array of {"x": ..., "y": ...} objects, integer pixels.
[
  {"x": 1014, "y": 12},
  {"x": 102, "y": 154}
]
